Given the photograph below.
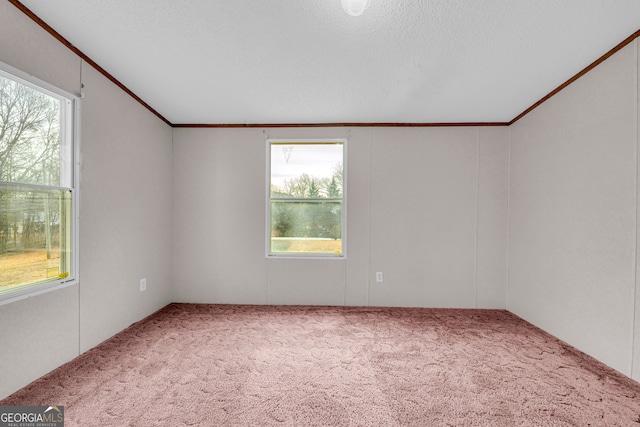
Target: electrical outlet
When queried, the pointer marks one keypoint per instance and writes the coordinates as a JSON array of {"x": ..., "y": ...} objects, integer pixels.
[
  {"x": 143, "y": 284},
  {"x": 379, "y": 277}
]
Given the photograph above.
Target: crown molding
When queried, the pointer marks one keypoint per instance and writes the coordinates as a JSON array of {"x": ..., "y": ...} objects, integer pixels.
[{"x": 316, "y": 125}]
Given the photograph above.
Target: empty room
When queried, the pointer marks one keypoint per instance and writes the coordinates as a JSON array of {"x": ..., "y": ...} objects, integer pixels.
[{"x": 319, "y": 213}]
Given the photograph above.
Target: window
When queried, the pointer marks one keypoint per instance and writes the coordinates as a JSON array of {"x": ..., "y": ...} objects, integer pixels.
[
  {"x": 37, "y": 186},
  {"x": 305, "y": 197}
]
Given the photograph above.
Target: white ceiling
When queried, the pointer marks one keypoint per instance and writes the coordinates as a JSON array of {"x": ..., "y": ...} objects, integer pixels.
[{"x": 306, "y": 61}]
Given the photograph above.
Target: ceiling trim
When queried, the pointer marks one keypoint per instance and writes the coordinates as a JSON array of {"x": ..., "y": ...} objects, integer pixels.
[
  {"x": 590, "y": 67},
  {"x": 317, "y": 125},
  {"x": 84, "y": 57},
  {"x": 105, "y": 73}
]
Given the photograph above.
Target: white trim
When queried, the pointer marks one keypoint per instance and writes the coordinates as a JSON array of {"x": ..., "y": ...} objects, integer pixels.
[
  {"x": 35, "y": 83},
  {"x": 36, "y": 290},
  {"x": 288, "y": 255},
  {"x": 267, "y": 204},
  {"x": 344, "y": 197},
  {"x": 70, "y": 135},
  {"x": 29, "y": 187},
  {"x": 75, "y": 201},
  {"x": 304, "y": 255},
  {"x": 285, "y": 141}
]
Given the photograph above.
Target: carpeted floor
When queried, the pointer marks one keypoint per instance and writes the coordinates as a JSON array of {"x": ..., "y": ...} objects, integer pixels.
[{"x": 226, "y": 365}]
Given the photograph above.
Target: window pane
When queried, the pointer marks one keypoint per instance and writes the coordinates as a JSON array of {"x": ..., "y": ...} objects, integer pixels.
[
  {"x": 35, "y": 236},
  {"x": 29, "y": 135},
  {"x": 306, "y": 170},
  {"x": 306, "y": 227},
  {"x": 306, "y": 197}
]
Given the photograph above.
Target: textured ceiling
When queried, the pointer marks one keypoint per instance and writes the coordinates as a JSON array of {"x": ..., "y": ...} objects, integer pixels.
[{"x": 306, "y": 61}]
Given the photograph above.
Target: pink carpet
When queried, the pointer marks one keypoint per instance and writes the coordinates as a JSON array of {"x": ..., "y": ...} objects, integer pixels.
[{"x": 226, "y": 365}]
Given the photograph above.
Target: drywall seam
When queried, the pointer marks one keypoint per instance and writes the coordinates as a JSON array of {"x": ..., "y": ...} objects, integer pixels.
[
  {"x": 475, "y": 250},
  {"x": 635, "y": 288},
  {"x": 370, "y": 142},
  {"x": 506, "y": 287}
]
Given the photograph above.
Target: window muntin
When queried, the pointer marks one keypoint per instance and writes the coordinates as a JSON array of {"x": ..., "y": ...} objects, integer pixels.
[
  {"x": 37, "y": 186},
  {"x": 306, "y": 209}
]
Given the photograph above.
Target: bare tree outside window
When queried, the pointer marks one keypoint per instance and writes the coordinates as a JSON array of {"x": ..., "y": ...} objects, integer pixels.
[
  {"x": 34, "y": 205},
  {"x": 306, "y": 198},
  {"x": 29, "y": 135}
]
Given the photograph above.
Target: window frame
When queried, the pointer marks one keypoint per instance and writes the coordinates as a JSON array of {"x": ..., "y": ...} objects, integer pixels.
[
  {"x": 70, "y": 137},
  {"x": 305, "y": 255}
]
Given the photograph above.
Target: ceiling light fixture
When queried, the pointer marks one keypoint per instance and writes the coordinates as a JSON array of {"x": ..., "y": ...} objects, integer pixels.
[{"x": 355, "y": 7}]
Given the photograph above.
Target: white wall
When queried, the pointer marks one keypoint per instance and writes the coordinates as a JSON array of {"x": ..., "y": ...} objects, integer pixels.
[
  {"x": 438, "y": 217},
  {"x": 125, "y": 229},
  {"x": 635, "y": 372},
  {"x": 426, "y": 206},
  {"x": 126, "y": 211},
  {"x": 572, "y": 209}
]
